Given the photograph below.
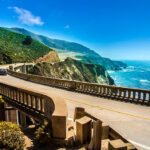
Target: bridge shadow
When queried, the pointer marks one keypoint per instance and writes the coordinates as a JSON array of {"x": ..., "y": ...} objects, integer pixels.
[{"x": 32, "y": 144}]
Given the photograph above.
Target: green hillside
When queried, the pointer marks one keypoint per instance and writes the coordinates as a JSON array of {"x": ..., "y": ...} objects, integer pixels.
[
  {"x": 13, "y": 49},
  {"x": 74, "y": 50}
]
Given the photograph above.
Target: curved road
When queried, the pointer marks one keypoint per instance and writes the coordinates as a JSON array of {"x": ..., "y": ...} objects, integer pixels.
[{"x": 130, "y": 120}]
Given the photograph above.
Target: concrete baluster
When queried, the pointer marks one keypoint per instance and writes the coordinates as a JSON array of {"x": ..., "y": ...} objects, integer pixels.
[
  {"x": 26, "y": 99},
  {"x": 144, "y": 97},
  {"x": 24, "y": 69},
  {"x": 148, "y": 99},
  {"x": 83, "y": 130},
  {"x": 97, "y": 134},
  {"x": 129, "y": 94},
  {"x": 42, "y": 105},
  {"x": 116, "y": 92},
  {"x": 139, "y": 96},
  {"x": 100, "y": 89},
  {"x": 104, "y": 91},
  {"x": 32, "y": 101},
  {"x": 125, "y": 94},
  {"x": 133, "y": 95},
  {"x": 120, "y": 92},
  {"x": 37, "y": 103},
  {"x": 79, "y": 113}
]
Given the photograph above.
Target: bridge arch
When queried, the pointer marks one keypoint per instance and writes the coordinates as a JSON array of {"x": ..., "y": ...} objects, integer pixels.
[{"x": 38, "y": 105}]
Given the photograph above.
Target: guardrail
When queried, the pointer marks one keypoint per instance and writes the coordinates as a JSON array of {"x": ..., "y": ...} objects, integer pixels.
[
  {"x": 137, "y": 96},
  {"x": 100, "y": 131},
  {"x": 38, "y": 105}
]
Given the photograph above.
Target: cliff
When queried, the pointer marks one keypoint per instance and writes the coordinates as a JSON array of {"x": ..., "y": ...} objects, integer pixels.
[
  {"x": 71, "y": 69},
  {"x": 49, "y": 57}
]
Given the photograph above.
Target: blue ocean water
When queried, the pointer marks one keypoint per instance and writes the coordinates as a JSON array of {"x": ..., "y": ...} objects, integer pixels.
[{"x": 136, "y": 75}]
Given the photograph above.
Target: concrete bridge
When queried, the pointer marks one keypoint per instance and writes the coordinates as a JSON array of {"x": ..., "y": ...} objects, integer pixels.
[{"x": 130, "y": 118}]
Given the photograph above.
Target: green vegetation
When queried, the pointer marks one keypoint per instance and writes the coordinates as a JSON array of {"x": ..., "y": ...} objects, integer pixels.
[
  {"x": 11, "y": 137},
  {"x": 42, "y": 134},
  {"x": 27, "y": 41},
  {"x": 1, "y": 99},
  {"x": 16, "y": 47}
]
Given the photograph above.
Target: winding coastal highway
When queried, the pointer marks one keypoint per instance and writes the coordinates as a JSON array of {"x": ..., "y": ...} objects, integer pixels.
[{"x": 130, "y": 120}]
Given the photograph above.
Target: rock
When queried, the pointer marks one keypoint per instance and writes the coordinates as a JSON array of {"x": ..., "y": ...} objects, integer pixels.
[
  {"x": 50, "y": 57},
  {"x": 71, "y": 69}
]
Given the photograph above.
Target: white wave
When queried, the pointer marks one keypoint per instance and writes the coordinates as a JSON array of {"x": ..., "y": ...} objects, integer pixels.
[
  {"x": 127, "y": 70},
  {"x": 144, "y": 81},
  {"x": 132, "y": 67},
  {"x": 142, "y": 71},
  {"x": 109, "y": 71}
]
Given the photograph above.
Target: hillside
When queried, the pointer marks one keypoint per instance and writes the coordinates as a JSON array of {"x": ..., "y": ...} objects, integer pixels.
[
  {"x": 13, "y": 48},
  {"x": 71, "y": 69},
  {"x": 74, "y": 50}
]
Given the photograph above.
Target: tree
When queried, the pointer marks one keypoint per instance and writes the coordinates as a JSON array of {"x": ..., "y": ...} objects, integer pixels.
[{"x": 27, "y": 41}]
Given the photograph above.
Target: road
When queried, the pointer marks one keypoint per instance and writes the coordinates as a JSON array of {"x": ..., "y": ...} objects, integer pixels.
[
  {"x": 15, "y": 65},
  {"x": 130, "y": 120}
]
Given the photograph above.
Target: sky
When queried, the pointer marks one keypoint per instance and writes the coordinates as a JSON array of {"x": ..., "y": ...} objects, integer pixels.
[{"x": 117, "y": 29}]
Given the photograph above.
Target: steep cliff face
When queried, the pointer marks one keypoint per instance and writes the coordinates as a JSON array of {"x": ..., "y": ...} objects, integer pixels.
[
  {"x": 50, "y": 57},
  {"x": 71, "y": 69}
]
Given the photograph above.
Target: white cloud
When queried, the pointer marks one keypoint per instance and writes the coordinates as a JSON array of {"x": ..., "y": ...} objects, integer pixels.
[
  {"x": 26, "y": 17},
  {"x": 67, "y": 26}
]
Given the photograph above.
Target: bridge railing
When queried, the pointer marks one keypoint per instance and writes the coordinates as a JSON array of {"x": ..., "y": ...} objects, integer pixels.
[
  {"x": 113, "y": 92},
  {"x": 32, "y": 101},
  {"x": 37, "y": 105}
]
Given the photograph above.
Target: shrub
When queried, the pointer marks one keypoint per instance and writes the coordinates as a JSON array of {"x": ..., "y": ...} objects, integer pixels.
[
  {"x": 42, "y": 134},
  {"x": 27, "y": 41},
  {"x": 11, "y": 137}
]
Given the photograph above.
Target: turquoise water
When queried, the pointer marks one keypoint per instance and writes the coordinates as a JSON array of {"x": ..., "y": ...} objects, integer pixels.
[{"x": 136, "y": 75}]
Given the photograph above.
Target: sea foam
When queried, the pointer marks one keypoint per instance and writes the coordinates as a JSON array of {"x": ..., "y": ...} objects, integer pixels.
[{"x": 144, "y": 81}]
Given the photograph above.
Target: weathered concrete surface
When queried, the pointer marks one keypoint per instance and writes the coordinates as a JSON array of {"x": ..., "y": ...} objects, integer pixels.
[
  {"x": 105, "y": 131},
  {"x": 130, "y": 120},
  {"x": 117, "y": 145},
  {"x": 83, "y": 129}
]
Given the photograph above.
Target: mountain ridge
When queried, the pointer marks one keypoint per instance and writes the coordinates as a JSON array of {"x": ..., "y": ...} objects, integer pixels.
[{"x": 74, "y": 50}]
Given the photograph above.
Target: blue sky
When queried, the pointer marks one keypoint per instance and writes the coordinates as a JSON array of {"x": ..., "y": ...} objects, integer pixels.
[{"x": 118, "y": 29}]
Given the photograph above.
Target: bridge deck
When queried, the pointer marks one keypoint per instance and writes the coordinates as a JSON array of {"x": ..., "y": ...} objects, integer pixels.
[{"x": 131, "y": 120}]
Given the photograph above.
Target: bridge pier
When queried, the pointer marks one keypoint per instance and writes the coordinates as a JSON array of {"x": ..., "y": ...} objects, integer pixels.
[
  {"x": 10, "y": 114},
  {"x": 24, "y": 69},
  {"x": 11, "y": 68},
  {"x": 23, "y": 119},
  {"x": 2, "y": 112}
]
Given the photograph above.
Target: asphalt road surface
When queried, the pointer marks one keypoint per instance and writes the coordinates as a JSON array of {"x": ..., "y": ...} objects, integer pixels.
[{"x": 130, "y": 120}]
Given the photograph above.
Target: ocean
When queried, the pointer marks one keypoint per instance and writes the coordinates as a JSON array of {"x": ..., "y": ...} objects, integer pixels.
[{"x": 136, "y": 75}]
